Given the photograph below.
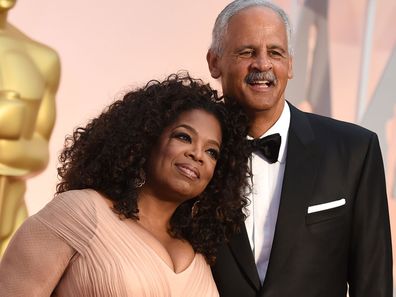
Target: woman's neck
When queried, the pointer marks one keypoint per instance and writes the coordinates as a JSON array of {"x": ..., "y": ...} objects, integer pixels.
[{"x": 154, "y": 213}]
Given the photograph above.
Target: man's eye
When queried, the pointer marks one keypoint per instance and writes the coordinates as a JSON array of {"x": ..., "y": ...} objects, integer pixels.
[
  {"x": 213, "y": 153},
  {"x": 182, "y": 136},
  {"x": 246, "y": 54},
  {"x": 275, "y": 54}
]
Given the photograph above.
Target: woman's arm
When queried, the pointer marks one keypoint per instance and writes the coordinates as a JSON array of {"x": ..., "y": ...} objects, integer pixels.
[{"x": 34, "y": 261}]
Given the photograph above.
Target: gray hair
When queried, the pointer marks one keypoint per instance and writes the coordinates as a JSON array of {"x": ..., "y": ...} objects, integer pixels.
[{"x": 223, "y": 19}]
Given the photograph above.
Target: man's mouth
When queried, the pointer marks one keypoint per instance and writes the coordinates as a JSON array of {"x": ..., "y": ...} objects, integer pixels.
[
  {"x": 263, "y": 79},
  {"x": 264, "y": 83}
]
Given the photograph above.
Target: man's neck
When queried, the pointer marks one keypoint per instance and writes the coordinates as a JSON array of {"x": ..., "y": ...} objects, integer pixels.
[
  {"x": 259, "y": 127},
  {"x": 261, "y": 122}
]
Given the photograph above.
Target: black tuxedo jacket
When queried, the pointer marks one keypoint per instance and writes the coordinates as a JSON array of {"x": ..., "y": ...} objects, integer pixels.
[{"x": 320, "y": 254}]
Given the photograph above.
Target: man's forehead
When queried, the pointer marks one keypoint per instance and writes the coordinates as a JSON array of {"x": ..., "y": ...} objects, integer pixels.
[
  {"x": 258, "y": 11},
  {"x": 254, "y": 20}
]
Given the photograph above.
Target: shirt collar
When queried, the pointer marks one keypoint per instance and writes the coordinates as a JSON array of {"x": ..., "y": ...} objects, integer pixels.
[{"x": 281, "y": 126}]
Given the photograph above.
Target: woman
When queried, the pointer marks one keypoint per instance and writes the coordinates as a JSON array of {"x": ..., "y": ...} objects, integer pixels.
[{"x": 148, "y": 191}]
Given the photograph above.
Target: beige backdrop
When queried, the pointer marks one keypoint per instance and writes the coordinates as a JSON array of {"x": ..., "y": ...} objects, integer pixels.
[{"x": 109, "y": 46}]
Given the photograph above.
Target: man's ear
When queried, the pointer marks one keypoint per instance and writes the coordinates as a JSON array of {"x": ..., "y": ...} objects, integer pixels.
[
  {"x": 290, "y": 71},
  {"x": 213, "y": 63}
]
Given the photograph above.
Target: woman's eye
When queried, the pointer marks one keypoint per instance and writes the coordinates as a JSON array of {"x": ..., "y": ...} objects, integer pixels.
[
  {"x": 182, "y": 136},
  {"x": 213, "y": 153}
]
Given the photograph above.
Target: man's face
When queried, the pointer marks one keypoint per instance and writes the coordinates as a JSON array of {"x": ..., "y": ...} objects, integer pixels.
[{"x": 254, "y": 65}]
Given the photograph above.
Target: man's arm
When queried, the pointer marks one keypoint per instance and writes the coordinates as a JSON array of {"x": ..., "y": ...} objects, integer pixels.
[{"x": 370, "y": 267}]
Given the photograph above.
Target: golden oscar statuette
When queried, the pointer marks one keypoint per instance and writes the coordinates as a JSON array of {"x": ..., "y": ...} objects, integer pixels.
[{"x": 29, "y": 79}]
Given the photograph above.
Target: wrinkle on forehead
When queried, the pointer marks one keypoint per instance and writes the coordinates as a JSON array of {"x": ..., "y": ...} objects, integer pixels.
[{"x": 260, "y": 24}]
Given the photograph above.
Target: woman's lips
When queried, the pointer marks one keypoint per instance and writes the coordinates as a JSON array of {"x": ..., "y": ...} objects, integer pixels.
[{"x": 188, "y": 170}]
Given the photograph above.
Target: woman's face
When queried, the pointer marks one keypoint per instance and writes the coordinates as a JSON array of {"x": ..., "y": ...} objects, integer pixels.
[{"x": 183, "y": 162}]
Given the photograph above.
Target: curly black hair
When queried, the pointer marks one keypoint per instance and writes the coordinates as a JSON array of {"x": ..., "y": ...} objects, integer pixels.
[{"x": 110, "y": 154}]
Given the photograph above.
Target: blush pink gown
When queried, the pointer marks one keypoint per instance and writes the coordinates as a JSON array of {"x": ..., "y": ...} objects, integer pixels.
[{"x": 90, "y": 251}]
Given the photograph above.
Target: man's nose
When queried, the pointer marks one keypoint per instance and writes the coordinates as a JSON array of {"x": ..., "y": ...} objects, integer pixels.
[{"x": 262, "y": 63}]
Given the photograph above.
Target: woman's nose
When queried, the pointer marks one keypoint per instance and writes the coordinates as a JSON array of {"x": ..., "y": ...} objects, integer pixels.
[{"x": 196, "y": 154}]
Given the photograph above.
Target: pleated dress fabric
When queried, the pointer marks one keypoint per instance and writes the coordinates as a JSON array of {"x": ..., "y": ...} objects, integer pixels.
[{"x": 115, "y": 257}]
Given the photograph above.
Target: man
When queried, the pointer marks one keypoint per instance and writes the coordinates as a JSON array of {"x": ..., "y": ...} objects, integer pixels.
[
  {"x": 29, "y": 78},
  {"x": 318, "y": 221}
]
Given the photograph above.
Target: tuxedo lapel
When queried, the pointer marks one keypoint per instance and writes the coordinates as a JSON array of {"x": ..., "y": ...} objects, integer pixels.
[
  {"x": 242, "y": 252},
  {"x": 302, "y": 164}
]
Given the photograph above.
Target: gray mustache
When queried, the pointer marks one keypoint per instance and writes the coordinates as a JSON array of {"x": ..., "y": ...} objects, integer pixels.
[{"x": 255, "y": 76}]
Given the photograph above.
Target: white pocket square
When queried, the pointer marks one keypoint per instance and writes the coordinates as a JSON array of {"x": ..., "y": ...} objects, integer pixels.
[{"x": 325, "y": 206}]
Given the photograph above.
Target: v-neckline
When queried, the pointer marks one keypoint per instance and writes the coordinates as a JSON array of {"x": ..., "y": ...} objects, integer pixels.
[
  {"x": 131, "y": 223},
  {"x": 163, "y": 250}
]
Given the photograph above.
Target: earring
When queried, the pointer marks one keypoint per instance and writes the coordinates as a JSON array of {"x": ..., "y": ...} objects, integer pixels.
[
  {"x": 139, "y": 184},
  {"x": 141, "y": 180},
  {"x": 195, "y": 209}
]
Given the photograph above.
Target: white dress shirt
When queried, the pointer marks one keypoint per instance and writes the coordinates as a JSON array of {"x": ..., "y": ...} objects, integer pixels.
[{"x": 265, "y": 196}]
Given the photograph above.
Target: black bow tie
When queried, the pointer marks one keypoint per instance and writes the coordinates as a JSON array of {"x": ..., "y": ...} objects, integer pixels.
[{"x": 268, "y": 146}]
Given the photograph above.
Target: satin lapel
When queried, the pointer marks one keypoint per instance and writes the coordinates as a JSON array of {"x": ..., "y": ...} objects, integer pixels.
[
  {"x": 242, "y": 252},
  {"x": 302, "y": 163}
]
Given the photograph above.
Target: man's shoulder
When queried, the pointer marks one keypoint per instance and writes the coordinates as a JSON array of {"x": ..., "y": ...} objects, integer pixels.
[
  {"x": 329, "y": 132},
  {"x": 324, "y": 124}
]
